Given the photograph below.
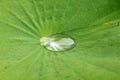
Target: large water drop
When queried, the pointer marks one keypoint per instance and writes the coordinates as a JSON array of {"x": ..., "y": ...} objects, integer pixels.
[{"x": 58, "y": 42}]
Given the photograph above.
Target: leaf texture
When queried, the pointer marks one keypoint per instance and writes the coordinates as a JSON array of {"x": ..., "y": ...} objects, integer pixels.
[{"x": 94, "y": 25}]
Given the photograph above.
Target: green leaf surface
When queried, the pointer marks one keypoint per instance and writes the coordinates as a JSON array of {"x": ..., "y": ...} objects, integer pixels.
[{"x": 94, "y": 25}]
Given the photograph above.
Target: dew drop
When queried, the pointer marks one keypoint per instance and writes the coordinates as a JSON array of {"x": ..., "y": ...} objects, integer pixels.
[{"x": 58, "y": 42}]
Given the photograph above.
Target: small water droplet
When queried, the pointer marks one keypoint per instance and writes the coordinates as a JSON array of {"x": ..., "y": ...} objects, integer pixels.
[{"x": 58, "y": 42}]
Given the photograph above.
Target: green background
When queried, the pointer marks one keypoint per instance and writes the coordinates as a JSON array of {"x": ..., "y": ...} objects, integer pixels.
[{"x": 93, "y": 24}]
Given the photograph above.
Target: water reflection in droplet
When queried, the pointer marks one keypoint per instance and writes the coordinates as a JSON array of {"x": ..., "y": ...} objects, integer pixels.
[{"x": 58, "y": 42}]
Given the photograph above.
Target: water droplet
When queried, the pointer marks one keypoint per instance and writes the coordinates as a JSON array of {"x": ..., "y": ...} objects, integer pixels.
[{"x": 58, "y": 42}]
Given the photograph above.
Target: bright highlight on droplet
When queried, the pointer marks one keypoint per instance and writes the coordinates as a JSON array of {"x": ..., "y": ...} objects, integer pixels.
[{"x": 57, "y": 42}]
